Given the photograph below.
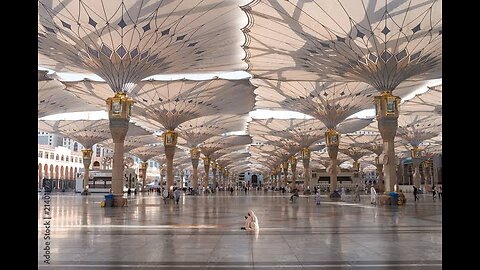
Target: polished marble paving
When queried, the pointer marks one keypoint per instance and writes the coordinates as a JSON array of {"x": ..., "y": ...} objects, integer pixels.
[{"x": 203, "y": 232}]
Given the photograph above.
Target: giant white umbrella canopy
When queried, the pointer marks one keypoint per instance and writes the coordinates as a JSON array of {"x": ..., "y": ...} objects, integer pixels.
[
  {"x": 198, "y": 130},
  {"x": 378, "y": 42},
  {"x": 425, "y": 103},
  {"x": 382, "y": 43},
  {"x": 132, "y": 142},
  {"x": 53, "y": 99},
  {"x": 87, "y": 133},
  {"x": 415, "y": 129},
  {"x": 124, "y": 42},
  {"x": 164, "y": 105},
  {"x": 171, "y": 103},
  {"x": 216, "y": 143}
]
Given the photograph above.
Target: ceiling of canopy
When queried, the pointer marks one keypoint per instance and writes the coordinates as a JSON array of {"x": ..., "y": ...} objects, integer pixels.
[{"x": 324, "y": 58}]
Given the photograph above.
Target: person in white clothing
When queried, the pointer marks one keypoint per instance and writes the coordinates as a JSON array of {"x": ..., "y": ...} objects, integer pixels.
[
  {"x": 373, "y": 196},
  {"x": 251, "y": 222}
]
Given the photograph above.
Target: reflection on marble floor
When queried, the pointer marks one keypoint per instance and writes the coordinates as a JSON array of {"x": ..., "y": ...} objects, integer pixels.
[{"x": 204, "y": 232}]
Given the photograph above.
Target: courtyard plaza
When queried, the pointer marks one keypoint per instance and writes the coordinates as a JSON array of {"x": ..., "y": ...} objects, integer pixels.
[{"x": 203, "y": 232}]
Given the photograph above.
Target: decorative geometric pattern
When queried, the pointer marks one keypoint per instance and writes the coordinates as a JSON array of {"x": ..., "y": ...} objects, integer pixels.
[
  {"x": 303, "y": 131},
  {"x": 415, "y": 129},
  {"x": 162, "y": 105},
  {"x": 132, "y": 142},
  {"x": 53, "y": 99},
  {"x": 381, "y": 43},
  {"x": 197, "y": 130},
  {"x": 147, "y": 152},
  {"x": 216, "y": 143},
  {"x": 429, "y": 102},
  {"x": 126, "y": 41},
  {"x": 330, "y": 103}
]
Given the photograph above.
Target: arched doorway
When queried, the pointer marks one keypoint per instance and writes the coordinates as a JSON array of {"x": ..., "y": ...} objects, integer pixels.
[
  {"x": 45, "y": 171},
  {"x": 52, "y": 175},
  {"x": 40, "y": 175},
  {"x": 254, "y": 180}
]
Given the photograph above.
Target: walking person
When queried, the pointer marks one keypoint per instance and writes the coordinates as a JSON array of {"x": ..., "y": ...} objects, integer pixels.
[
  {"x": 415, "y": 192},
  {"x": 434, "y": 192},
  {"x": 165, "y": 196},
  {"x": 373, "y": 195},
  {"x": 317, "y": 197},
  {"x": 176, "y": 195},
  {"x": 343, "y": 195},
  {"x": 357, "y": 193}
]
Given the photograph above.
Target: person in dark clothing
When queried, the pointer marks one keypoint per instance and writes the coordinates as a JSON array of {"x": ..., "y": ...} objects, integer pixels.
[
  {"x": 295, "y": 194},
  {"x": 434, "y": 192},
  {"x": 415, "y": 192}
]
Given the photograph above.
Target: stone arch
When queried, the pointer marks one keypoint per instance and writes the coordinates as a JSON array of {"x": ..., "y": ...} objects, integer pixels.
[
  {"x": 72, "y": 174},
  {"x": 45, "y": 171},
  {"x": 51, "y": 176},
  {"x": 40, "y": 172},
  {"x": 62, "y": 176},
  {"x": 57, "y": 176},
  {"x": 67, "y": 175}
]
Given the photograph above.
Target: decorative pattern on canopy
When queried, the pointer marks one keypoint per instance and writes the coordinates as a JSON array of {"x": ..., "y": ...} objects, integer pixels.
[
  {"x": 429, "y": 102},
  {"x": 303, "y": 131},
  {"x": 146, "y": 152},
  {"x": 167, "y": 104},
  {"x": 126, "y": 41},
  {"x": 53, "y": 99},
  {"x": 381, "y": 43},
  {"x": 216, "y": 143},
  {"x": 132, "y": 142},
  {"x": 198, "y": 130},
  {"x": 415, "y": 129},
  {"x": 328, "y": 102},
  {"x": 86, "y": 132}
]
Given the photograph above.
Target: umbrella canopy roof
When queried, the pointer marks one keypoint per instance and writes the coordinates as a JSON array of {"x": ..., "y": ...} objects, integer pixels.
[
  {"x": 303, "y": 131},
  {"x": 132, "y": 142},
  {"x": 415, "y": 129},
  {"x": 126, "y": 41},
  {"x": 53, "y": 99},
  {"x": 216, "y": 143},
  {"x": 429, "y": 102},
  {"x": 328, "y": 102},
  {"x": 381, "y": 43},
  {"x": 198, "y": 130},
  {"x": 86, "y": 132},
  {"x": 167, "y": 104}
]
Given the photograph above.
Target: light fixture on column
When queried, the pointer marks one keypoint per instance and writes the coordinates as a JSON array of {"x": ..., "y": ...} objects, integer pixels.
[
  {"x": 293, "y": 162},
  {"x": 195, "y": 153},
  {"x": 305, "y": 153},
  {"x": 416, "y": 152},
  {"x": 87, "y": 153},
  {"x": 169, "y": 138},
  {"x": 332, "y": 138},
  {"x": 386, "y": 105},
  {"x": 119, "y": 106},
  {"x": 356, "y": 166}
]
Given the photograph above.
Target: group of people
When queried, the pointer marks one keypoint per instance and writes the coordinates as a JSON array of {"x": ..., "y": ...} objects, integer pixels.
[{"x": 176, "y": 195}]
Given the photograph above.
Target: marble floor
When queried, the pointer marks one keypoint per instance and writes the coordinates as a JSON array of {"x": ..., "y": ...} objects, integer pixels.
[{"x": 203, "y": 232}]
